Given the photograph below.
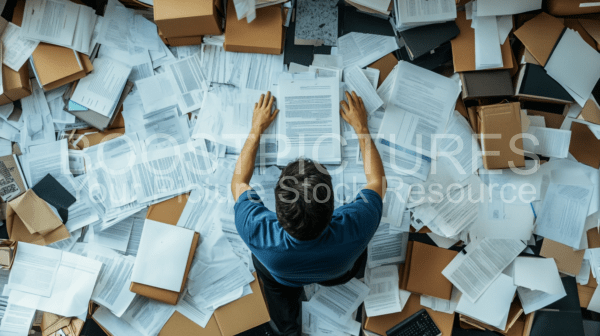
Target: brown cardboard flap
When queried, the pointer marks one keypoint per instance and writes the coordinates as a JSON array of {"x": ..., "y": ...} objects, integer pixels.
[
  {"x": 593, "y": 238},
  {"x": 585, "y": 147},
  {"x": 425, "y": 274},
  {"x": 53, "y": 63},
  {"x": 383, "y": 323},
  {"x": 503, "y": 120},
  {"x": 18, "y": 232},
  {"x": 385, "y": 65},
  {"x": 585, "y": 295},
  {"x": 567, "y": 260},
  {"x": 539, "y": 35},
  {"x": 230, "y": 319},
  {"x": 35, "y": 213},
  {"x": 553, "y": 120},
  {"x": 592, "y": 27},
  {"x": 264, "y": 35},
  {"x": 164, "y": 295},
  {"x": 463, "y": 47},
  {"x": 590, "y": 112},
  {"x": 168, "y": 211},
  {"x": 179, "y": 325}
]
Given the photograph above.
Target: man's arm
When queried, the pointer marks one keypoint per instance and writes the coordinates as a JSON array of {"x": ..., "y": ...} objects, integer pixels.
[
  {"x": 355, "y": 114},
  {"x": 261, "y": 119}
]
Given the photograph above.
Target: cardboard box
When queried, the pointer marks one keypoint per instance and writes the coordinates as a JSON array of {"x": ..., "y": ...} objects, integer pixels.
[
  {"x": 498, "y": 125},
  {"x": 8, "y": 248},
  {"x": 584, "y": 146},
  {"x": 486, "y": 84},
  {"x": 567, "y": 260},
  {"x": 385, "y": 65},
  {"x": 423, "y": 268},
  {"x": 540, "y": 35},
  {"x": 16, "y": 84},
  {"x": 181, "y": 18},
  {"x": 534, "y": 84},
  {"x": 161, "y": 294},
  {"x": 56, "y": 66},
  {"x": 380, "y": 324},
  {"x": 463, "y": 47},
  {"x": 264, "y": 35},
  {"x": 30, "y": 219},
  {"x": 12, "y": 164},
  {"x": 572, "y": 7}
]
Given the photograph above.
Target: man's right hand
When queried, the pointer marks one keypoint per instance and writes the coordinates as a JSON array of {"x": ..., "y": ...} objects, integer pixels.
[{"x": 354, "y": 113}]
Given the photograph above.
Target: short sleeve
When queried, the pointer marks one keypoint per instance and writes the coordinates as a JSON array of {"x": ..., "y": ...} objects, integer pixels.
[
  {"x": 361, "y": 217},
  {"x": 248, "y": 209}
]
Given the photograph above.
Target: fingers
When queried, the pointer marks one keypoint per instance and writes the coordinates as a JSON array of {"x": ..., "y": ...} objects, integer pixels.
[
  {"x": 255, "y": 106},
  {"x": 274, "y": 115},
  {"x": 267, "y": 99},
  {"x": 344, "y": 116},
  {"x": 260, "y": 101},
  {"x": 345, "y": 106},
  {"x": 271, "y": 101},
  {"x": 355, "y": 98},
  {"x": 348, "y": 97},
  {"x": 362, "y": 104}
]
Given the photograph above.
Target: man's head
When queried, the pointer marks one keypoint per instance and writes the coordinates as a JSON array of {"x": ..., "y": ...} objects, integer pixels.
[{"x": 304, "y": 199}]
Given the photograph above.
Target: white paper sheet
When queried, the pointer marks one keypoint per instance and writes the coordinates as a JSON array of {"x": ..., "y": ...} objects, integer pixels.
[
  {"x": 338, "y": 302},
  {"x": 16, "y": 49},
  {"x": 493, "y": 305},
  {"x": 167, "y": 246},
  {"x": 358, "y": 82},
  {"x": 50, "y": 21},
  {"x": 101, "y": 90},
  {"x": 384, "y": 297},
  {"x": 472, "y": 273},
  {"x": 550, "y": 142},
  {"x": 363, "y": 49},
  {"x": 34, "y": 269}
]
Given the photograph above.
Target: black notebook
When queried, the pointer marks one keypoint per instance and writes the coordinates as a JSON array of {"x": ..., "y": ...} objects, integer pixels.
[{"x": 421, "y": 40}]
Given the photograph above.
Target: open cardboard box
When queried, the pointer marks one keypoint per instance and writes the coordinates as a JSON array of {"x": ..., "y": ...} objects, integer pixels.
[
  {"x": 30, "y": 219},
  {"x": 185, "y": 18},
  {"x": 231, "y": 319},
  {"x": 56, "y": 66},
  {"x": 264, "y": 35}
]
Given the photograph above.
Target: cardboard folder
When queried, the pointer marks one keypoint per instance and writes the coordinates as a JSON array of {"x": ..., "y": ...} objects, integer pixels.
[{"x": 498, "y": 126}]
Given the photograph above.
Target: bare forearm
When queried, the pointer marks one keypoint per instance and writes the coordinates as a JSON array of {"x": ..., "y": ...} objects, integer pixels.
[
  {"x": 372, "y": 162},
  {"x": 244, "y": 167}
]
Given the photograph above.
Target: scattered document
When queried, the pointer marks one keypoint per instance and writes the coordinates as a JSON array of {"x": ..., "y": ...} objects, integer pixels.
[
  {"x": 550, "y": 142},
  {"x": 356, "y": 81},
  {"x": 338, "y": 302},
  {"x": 34, "y": 269},
  {"x": 51, "y": 21},
  {"x": 16, "y": 50},
  {"x": 384, "y": 297},
  {"x": 100, "y": 90},
  {"x": 474, "y": 271},
  {"x": 363, "y": 49}
]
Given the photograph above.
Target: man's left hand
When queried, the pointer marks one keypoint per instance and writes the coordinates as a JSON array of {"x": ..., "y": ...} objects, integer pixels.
[{"x": 262, "y": 117}]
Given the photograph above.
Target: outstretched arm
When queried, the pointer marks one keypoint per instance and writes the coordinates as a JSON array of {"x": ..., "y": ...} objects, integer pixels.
[
  {"x": 355, "y": 114},
  {"x": 261, "y": 119}
]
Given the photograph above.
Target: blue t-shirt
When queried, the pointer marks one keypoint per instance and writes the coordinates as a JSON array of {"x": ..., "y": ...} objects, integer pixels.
[{"x": 296, "y": 263}]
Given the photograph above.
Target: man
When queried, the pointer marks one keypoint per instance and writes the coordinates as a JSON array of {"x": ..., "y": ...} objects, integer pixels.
[{"x": 306, "y": 241}]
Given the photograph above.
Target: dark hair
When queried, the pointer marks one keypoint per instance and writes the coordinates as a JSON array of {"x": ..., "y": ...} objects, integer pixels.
[{"x": 304, "y": 199}]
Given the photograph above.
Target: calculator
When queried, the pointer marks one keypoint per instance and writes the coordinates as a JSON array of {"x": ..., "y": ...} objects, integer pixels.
[{"x": 419, "y": 324}]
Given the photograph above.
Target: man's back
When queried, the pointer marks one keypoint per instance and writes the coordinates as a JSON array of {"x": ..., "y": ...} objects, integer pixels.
[{"x": 295, "y": 262}]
